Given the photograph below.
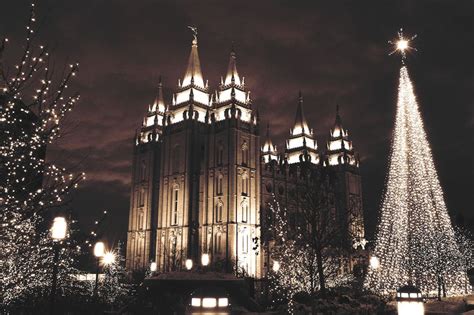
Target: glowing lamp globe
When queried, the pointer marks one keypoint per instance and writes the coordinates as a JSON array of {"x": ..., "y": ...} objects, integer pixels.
[
  {"x": 276, "y": 266},
  {"x": 108, "y": 258},
  {"x": 409, "y": 301},
  {"x": 59, "y": 229},
  {"x": 189, "y": 264},
  {"x": 402, "y": 44},
  {"x": 153, "y": 267},
  {"x": 99, "y": 249},
  {"x": 205, "y": 259},
  {"x": 374, "y": 262}
]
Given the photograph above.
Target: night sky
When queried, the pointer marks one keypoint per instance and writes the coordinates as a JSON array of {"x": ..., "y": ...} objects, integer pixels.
[{"x": 335, "y": 52}]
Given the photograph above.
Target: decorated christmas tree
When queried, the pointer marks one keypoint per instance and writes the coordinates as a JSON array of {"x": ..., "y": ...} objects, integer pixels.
[{"x": 415, "y": 241}]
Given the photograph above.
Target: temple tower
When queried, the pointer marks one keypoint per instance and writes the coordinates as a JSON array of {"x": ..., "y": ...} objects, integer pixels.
[
  {"x": 145, "y": 186},
  {"x": 341, "y": 158},
  {"x": 184, "y": 153},
  {"x": 230, "y": 222}
]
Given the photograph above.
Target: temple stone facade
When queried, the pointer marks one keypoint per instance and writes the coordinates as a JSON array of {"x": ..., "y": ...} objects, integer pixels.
[{"x": 202, "y": 180}]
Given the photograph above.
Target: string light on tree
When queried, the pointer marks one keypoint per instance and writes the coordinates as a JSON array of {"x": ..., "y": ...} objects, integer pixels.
[{"x": 415, "y": 240}]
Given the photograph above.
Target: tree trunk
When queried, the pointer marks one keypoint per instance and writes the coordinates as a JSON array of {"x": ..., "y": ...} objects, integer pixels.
[
  {"x": 439, "y": 287},
  {"x": 319, "y": 260},
  {"x": 311, "y": 278},
  {"x": 444, "y": 287}
]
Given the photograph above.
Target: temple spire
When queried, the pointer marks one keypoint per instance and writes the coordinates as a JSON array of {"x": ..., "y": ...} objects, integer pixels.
[
  {"x": 301, "y": 125},
  {"x": 339, "y": 146},
  {"x": 301, "y": 145},
  {"x": 193, "y": 74},
  {"x": 159, "y": 103},
  {"x": 269, "y": 151},
  {"x": 232, "y": 75}
]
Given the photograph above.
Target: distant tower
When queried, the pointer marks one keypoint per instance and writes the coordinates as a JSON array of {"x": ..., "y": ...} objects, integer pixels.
[
  {"x": 230, "y": 225},
  {"x": 340, "y": 157},
  {"x": 183, "y": 158},
  {"x": 301, "y": 146},
  {"x": 144, "y": 194},
  {"x": 269, "y": 151}
]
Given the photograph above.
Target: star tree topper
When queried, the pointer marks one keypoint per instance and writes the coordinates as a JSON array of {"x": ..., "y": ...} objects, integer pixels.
[{"x": 402, "y": 44}]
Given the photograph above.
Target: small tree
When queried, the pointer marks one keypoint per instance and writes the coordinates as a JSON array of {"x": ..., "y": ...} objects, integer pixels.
[{"x": 114, "y": 289}]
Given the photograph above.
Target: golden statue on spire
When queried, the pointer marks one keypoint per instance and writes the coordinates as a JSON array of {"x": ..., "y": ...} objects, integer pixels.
[{"x": 194, "y": 29}]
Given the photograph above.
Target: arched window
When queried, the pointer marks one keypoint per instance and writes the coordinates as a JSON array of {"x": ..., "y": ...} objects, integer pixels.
[
  {"x": 245, "y": 153},
  {"x": 218, "y": 214},
  {"x": 140, "y": 221},
  {"x": 220, "y": 154},
  {"x": 219, "y": 181},
  {"x": 173, "y": 254},
  {"x": 143, "y": 170},
  {"x": 174, "y": 210},
  {"x": 141, "y": 197},
  {"x": 217, "y": 243},
  {"x": 175, "y": 159},
  {"x": 245, "y": 184},
  {"x": 245, "y": 211},
  {"x": 245, "y": 241}
]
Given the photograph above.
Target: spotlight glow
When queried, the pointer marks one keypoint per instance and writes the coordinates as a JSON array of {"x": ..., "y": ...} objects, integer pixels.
[{"x": 109, "y": 258}]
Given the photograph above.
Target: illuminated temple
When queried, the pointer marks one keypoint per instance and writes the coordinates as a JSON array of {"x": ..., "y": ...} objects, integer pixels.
[{"x": 203, "y": 176}]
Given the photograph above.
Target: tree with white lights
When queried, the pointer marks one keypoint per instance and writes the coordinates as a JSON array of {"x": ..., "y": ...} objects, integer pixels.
[
  {"x": 309, "y": 257},
  {"x": 30, "y": 186},
  {"x": 415, "y": 241},
  {"x": 114, "y": 288}
]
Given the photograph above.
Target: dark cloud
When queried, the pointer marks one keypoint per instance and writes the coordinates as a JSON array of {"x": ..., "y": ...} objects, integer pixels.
[{"x": 334, "y": 52}]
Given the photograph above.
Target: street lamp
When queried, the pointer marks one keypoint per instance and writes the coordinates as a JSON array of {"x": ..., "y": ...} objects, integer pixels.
[
  {"x": 99, "y": 251},
  {"x": 276, "y": 266},
  {"x": 153, "y": 267},
  {"x": 58, "y": 233},
  {"x": 205, "y": 260},
  {"x": 189, "y": 264},
  {"x": 409, "y": 301},
  {"x": 108, "y": 258},
  {"x": 374, "y": 262}
]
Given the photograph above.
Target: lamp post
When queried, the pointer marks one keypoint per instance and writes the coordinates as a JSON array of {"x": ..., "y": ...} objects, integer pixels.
[
  {"x": 99, "y": 251},
  {"x": 58, "y": 233},
  {"x": 409, "y": 301}
]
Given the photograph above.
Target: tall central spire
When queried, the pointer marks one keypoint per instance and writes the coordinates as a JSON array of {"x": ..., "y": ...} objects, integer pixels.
[
  {"x": 301, "y": 125},
  {"x": 193, "y": 72},
  {"x": 192, "y": 90}
]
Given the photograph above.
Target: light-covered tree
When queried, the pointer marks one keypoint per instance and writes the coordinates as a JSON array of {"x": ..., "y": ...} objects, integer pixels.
[
  {"x": 114, "y": 288},
  {"x": 415, "y": 241},
  {"x": 31, "y": 187},
  {"x": 308, "y": 258}
]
